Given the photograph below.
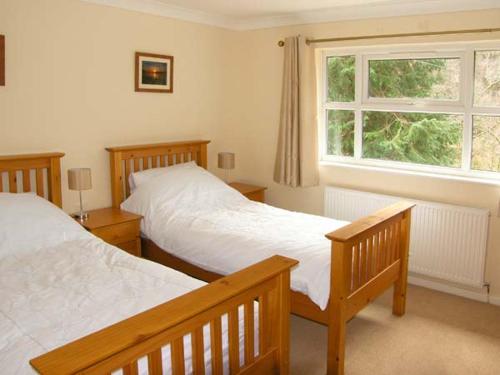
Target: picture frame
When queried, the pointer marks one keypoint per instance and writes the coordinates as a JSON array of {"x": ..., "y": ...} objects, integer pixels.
[
  {"x": 154, "y": 73},
  {"x": 2, "y": 60}
]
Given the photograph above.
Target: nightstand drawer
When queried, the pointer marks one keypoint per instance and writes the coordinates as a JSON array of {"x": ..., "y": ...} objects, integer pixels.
[
  {"x": 257, "y": 196},
  {"x": 131, "y": 247},
  {"x": 118, "y": 233}
]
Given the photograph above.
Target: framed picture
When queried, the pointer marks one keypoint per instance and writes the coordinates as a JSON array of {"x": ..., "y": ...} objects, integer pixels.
[
  {"x": 154, "y": 73},
  {"x": 2, "y": 60}
]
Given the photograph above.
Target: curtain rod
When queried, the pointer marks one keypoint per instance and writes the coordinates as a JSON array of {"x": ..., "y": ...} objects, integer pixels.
[{"x": 281, "y": 43}]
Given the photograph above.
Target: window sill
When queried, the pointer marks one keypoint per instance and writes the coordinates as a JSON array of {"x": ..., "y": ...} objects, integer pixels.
[{"x": 412, "y": 172}]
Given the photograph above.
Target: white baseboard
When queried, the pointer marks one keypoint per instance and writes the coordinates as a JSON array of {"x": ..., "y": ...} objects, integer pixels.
[
  {"x": 495, "y": 300},
  {"x": 476, "y": 296}
]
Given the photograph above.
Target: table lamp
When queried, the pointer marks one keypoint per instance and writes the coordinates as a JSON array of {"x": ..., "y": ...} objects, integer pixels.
[
  {"x": 80, "y": 179},
  {"x": 226, "y": 162}
]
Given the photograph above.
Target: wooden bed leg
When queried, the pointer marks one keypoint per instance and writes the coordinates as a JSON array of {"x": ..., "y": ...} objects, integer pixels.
[
  {"x": 337, "y": 309},
  {"x": 400, "y": 286},
  {"x": 336, "y": 342},
  {"x": 282, "y": 323}
]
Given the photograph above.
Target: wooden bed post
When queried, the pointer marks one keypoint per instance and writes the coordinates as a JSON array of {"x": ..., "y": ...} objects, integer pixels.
[
  {"x": 400, "y": 286},
  {"x": 116, "y": 178},
  {"x": 203, "y": 156},
  {"x": 54, "y": 181},
  {"x": 280, "y": 322},
  {"x": 337, "y": 309}
]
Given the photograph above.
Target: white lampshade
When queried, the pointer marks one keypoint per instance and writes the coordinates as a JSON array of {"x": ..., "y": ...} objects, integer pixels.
[
  {"x": 226, "y": 160},
  {"x": 79, "y": 179}
]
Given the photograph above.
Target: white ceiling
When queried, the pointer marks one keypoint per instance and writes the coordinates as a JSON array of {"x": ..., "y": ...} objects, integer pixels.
[
  {"x": 245, "y": 9},
  {"x": 255, "y": 14}
]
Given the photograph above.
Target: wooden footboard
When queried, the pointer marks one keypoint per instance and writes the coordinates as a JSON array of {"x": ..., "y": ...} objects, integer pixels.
[
  {"x": 122, "y": 344},
  {"x": 368, "y": 256}
]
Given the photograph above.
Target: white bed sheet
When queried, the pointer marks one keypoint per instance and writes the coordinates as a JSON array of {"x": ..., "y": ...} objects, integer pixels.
[
  {"x": 197, "y": 217},
  {"x": 52, "y": 295}
]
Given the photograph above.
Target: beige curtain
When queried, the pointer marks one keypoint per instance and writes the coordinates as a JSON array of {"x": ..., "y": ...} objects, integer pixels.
[{"x": 297, "y": 156}]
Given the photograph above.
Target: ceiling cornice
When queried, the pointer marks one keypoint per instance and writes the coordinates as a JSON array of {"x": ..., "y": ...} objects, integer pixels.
[
  {"x": 158, "y": 8},
  {"x": 374, "y": 10}
]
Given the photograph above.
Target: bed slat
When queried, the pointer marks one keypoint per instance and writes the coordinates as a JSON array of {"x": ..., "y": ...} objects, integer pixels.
[
  {"x": 12, "y": 181},
  {"x": 198, "y": 351},
  {"x": 376, "y": 251},
  {"x": 127, "y": 174},
  {"x": 382, "y": 249},
  {"x": 39, "y": 182},
  {"x": 263, "y": 324},
  {"x": 216, "y": 346},
  {"x": 177, "y": 350},
  {"x": 26, "y": 180},
  {"x": 363, "y": 271},
  {"x": 398, "y": 241},
  {"x": 249, "y": 332},
  {"x": 155, "y": 366},
  {"x": 355, "y": 268},
  {"x": 131, "y": 369},
  {"x": 234, "y": 348},
  {"x": 369, "y": 257}
]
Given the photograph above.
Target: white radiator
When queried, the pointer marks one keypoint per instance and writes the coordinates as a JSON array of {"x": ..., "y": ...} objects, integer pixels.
[{"x": 447, "y": 242}]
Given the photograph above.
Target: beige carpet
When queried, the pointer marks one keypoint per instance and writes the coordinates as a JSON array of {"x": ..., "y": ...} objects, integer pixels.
[{"x": 439, "y": 335}]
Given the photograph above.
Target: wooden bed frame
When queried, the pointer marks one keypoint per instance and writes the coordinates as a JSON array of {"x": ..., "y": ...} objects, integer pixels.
[
  {"x": 121, "y": 345},
  {"x": 368, "y": 256}
]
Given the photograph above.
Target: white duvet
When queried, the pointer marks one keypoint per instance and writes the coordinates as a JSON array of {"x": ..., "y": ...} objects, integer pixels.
[
  {"x": 55, "y": 291},
  {"x": 197, "y": 217}
]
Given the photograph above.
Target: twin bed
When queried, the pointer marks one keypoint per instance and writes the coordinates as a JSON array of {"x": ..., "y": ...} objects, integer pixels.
[
  {"x": 195, "y": 223},
  {"x": 71, "y": 303}
]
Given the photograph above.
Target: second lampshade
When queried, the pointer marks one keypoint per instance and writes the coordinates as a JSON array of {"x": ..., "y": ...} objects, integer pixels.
[{"x": 226, "y": 161}]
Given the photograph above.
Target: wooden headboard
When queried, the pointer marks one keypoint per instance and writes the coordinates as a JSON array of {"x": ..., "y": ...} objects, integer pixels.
[
  {"x": 127, "y": 159},
  {"x": 40, "y": 173}
]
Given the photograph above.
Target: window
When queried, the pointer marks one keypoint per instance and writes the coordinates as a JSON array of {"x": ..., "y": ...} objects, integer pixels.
[{"x": 411, "y": 108}]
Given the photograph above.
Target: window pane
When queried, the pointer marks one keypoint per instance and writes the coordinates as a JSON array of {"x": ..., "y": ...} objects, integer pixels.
[
  {"x": 340, "y": 133},
  {"x": 341, "y": 70},
  {"x": 487, "y": 78},
  {"x": 415, "y": 78},
  {"x": 421, "y": 138},
  {"x": 486, "y": 143}
]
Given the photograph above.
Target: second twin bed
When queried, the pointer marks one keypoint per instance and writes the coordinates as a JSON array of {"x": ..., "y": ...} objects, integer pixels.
[{"x": 194, "y": 222}]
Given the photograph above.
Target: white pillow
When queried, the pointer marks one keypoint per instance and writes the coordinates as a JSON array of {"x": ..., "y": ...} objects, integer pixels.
[
  {"x": 29, "y": 223},
  {"x": 188, "y": 188},
  {"x": 138, "y": 178}
]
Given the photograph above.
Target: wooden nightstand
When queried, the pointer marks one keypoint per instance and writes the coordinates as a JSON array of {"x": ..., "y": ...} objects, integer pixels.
[
  {"x": 117, "y": 227},
  {"x": 253, "y": 192}
]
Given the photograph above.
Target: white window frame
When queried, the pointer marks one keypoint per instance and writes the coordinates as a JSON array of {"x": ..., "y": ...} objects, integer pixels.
[{"x": 362, "y": 102}]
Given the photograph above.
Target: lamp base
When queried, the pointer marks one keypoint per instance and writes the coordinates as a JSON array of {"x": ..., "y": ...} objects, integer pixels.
[{"x": 81, "y": 216}]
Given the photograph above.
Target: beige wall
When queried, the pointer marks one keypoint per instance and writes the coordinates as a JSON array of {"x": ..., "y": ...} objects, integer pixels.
[
  {"x": 70, "y": 88},
  {"x": 70, "y": 84},
  {"x": 255, "y": 100}
]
